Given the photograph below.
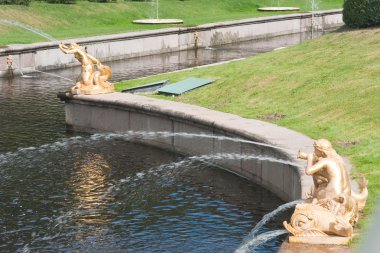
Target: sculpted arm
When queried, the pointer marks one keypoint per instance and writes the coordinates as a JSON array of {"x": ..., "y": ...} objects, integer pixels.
[
  {"x": 302, "y": 155},
  {"x": 93, "y": 59},
  {"x": 66, "y": 49},
  {"x": 311, "y": 158},
  {"x": 312, "y": 169}
]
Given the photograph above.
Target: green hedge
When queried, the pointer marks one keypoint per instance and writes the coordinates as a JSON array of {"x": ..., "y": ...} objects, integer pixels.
[
  {"x": 18, "y": 2},
  {"x": 103, "y": 1},
  {"x": 373, "y": 12},
  {"x": 361, "y": 13},
  {"x": 60, "y": 1}
]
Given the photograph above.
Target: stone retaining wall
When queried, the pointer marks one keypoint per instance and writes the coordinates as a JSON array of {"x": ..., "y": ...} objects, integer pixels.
[
  {"x": 121, "y": 112},
  {"x": 47, "y": 55}
]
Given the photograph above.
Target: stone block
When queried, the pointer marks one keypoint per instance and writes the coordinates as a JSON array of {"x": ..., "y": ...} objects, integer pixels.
[
  {"x": 192, "y": 145},
  {"x": 186, "y": 40},
  {"x": 140, "y": 122},
  {"x": 78, "y": 115},
  {"x": 101, "y": 50},
  {"x": 52, "y": 57},
  {"x": 272, "y": 178},
  {"x": 329, "y": 240},
  {"x": 232, "y": 151},
  {"x": 3, "y": 63},
  {"x": 289, "y": 179},
  {"x": 100, "y": 118},
  {"x": 275, "y": 177},
  {"x": 25, "y": 60},
  {"x": 135, "y": 47},
  {"x": 250, "y": 165},
  {"x": 307, "y": 248},
  {"x": 109, "y": 119}
]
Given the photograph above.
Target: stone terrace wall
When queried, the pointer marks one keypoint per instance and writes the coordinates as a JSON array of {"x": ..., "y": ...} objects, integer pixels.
[
  {"x": 47, "y": 55},
  {"x": 121, "y": 112}
]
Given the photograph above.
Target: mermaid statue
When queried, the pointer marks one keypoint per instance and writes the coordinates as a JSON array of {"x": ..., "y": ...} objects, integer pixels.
[{"x": 332, "y": 208}]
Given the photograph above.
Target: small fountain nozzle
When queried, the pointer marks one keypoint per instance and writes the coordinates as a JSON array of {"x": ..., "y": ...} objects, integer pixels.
[
  {"x": 9, "y": 61},
  {"x": 10, "y": 65},
  {"x": 196, "y": 37}
]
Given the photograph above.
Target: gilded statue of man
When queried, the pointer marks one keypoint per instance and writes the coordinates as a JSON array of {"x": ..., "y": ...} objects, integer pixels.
[{"x": 94, "y": 75}]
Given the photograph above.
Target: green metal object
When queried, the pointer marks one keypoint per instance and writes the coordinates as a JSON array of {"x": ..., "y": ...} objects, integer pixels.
[
  {"x": 147, "y": 88},
  {"x": 184, "y": 86}
]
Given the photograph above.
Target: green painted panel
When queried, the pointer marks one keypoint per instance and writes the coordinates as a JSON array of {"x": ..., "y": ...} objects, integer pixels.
[
  {"x": 150, "y": 87},
  {"x": 184, "y": 86}
]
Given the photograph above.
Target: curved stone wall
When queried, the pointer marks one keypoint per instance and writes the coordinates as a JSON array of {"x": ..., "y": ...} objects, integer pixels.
[{"x": 121, "y": 112}]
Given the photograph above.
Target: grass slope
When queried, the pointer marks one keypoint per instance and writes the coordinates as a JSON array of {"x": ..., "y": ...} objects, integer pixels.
[
  {"x": 327, "y": 88},
  {"x": 88, "y": 18}
]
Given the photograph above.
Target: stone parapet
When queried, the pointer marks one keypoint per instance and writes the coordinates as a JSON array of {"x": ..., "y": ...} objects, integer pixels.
[
  {"x": 121, "y": 112},
  {"x": 46, "y": 55}
]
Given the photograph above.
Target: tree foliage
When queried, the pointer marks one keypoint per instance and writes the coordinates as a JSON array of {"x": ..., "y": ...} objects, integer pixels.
[
  {"x": 103, "y": 1},
  {"x": 16, "y": 2},
  {"x": 61, "y": 1},
  {"x": 361, "y": 13}
]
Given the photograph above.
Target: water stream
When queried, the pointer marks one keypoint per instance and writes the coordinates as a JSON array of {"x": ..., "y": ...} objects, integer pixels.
[
  {"x": 26, "y": 27},
  {"x": 260, "y": 239},
  {"x": 62, "y": 191},
  {"x": 161, "y": 134},
  {"x": 253, "y": 239}
]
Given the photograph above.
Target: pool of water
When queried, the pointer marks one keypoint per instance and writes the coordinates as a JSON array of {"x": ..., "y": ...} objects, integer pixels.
[
  {"x": 83, "y": 194},
  {"x": 62, "y": 191}
]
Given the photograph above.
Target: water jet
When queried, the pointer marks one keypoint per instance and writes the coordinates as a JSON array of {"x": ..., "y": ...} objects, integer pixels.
[
  {"x": 157, "y": 20},
  {"x": 27, "y": 27},
  {"x": 278, "y": 8}
]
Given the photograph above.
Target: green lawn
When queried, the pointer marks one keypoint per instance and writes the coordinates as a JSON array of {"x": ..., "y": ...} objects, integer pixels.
[
  {"x": 326, "y": 88},
  {"x": 88, "y": 18}
]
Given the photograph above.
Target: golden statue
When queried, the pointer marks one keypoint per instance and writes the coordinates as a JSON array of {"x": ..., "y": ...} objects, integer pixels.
[
  {"x": 332, "y": 208},
  {"x": 92, "y": 81}
]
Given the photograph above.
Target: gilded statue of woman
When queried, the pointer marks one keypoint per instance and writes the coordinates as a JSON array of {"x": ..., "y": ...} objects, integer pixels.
[
  {"x": 331, "y": 179},
  {"x": 327, "y": 168},
  {"x": 332, "y": 208}
]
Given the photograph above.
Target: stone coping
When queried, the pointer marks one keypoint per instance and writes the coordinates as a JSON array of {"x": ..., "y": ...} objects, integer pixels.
[
  {"x": 23, "y": 48},
  {"x": 288, "y": 140}
]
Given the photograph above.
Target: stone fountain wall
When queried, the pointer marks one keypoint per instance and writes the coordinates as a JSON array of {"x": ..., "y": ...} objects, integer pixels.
[
  {"x": 47, "y": 55},
  {"x": 121, "y": 112}
]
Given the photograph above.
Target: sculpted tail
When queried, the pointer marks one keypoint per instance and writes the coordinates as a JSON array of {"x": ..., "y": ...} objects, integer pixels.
[
  {"x": 361, "y": 197},
  {"x": 107, "y": 71}
]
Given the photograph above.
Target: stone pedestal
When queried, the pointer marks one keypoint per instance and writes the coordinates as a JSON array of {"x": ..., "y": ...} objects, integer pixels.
[
  {"x": 327, "y": 240},
  {"x": 92, "y": 89},
  {"x": 304, "y": 248}
]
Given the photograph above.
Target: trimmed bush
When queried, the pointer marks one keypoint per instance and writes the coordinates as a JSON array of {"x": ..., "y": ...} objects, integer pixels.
[
  {"x": 60, "y": 1},
  {"x": 373, "y": 12},
  {"x": 103, "y": 1},
  {"x": 354, "y": 13},
  {"x": 17, "y": 2},
  {"x": 361, "y": 13}
]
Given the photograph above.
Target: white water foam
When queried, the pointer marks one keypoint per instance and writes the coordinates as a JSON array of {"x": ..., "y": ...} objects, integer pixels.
[
  {"x": 251, "y": 239},
  {"x": 257, "y": 241},
  {"x": 154, "y": 135}
]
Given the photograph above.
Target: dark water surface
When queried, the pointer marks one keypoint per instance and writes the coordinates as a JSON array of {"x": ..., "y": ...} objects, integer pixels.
[
  {"x": 63, "y": 192},
  {"x": 83, "y": 194}
]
